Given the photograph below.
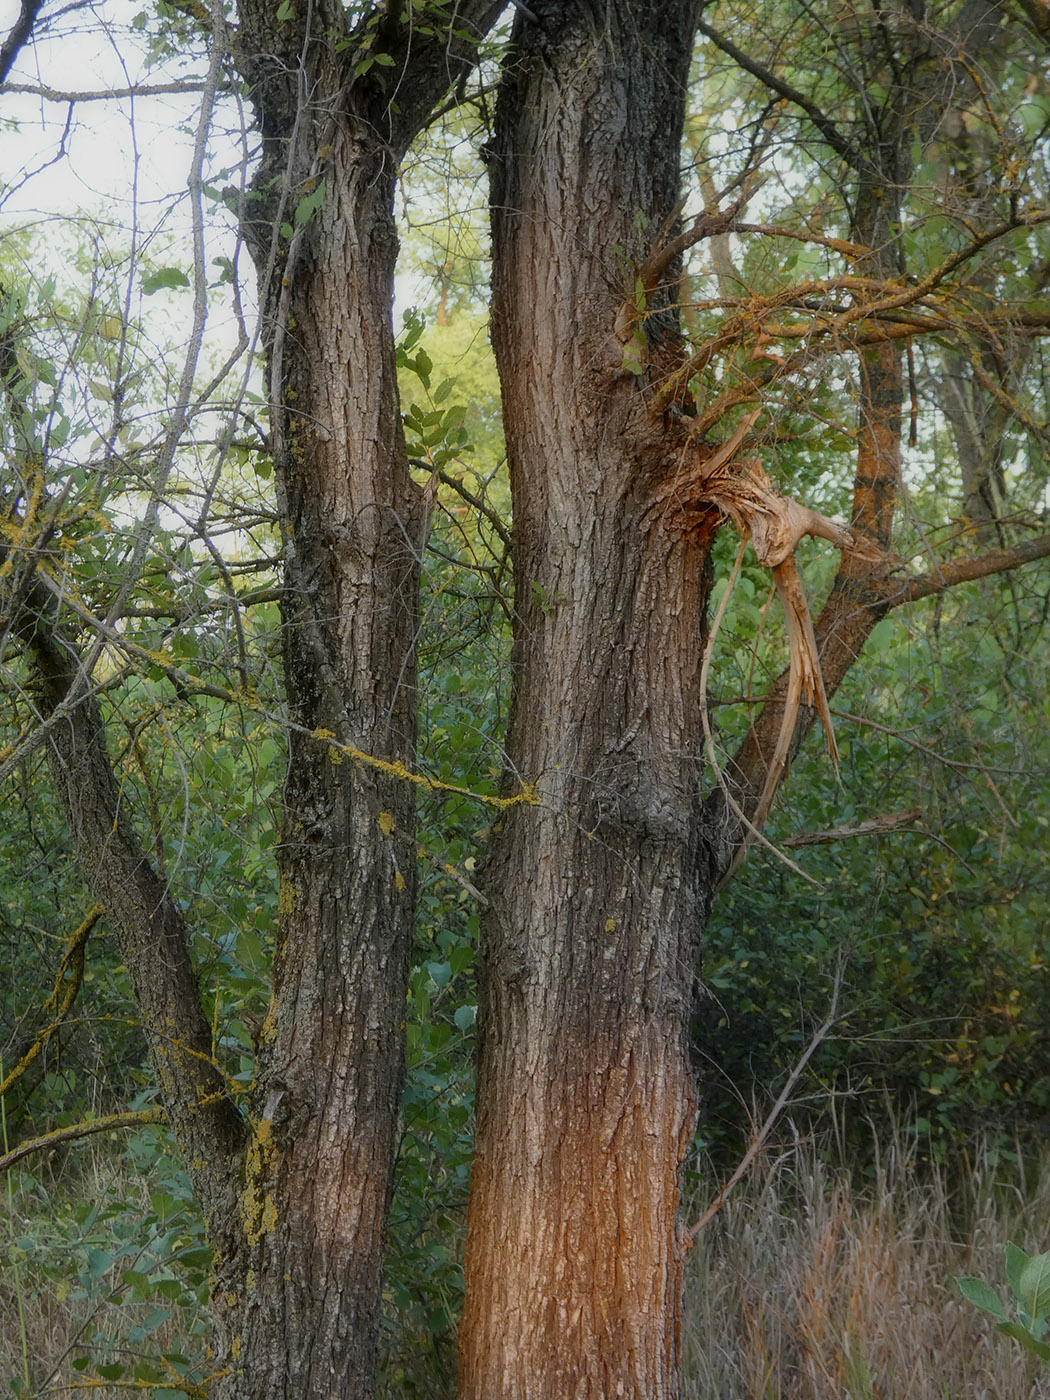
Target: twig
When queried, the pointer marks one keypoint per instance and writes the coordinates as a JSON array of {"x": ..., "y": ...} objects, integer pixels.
[{"x": 758, "y": 1142}]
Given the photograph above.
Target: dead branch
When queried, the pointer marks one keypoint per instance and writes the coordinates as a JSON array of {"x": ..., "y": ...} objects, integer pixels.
[
  {"x": 760, "y": 1139},
  {"x": 872, "y": 826}
]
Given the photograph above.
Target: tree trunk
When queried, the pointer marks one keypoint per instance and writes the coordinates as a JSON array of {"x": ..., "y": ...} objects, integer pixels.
[
  {"x": 300, "y": 1304},
  {"x": 585, "y": 1095},
  {"x": 319, "y": 1167}
]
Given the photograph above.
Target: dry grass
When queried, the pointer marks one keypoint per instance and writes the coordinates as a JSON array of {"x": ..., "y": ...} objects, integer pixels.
[
  {"x": 802, "y": 1288},
  {"x": 806, "y": 1288}
]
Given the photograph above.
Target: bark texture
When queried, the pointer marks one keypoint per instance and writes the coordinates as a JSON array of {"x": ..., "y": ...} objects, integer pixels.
[
  {"x": 299, "y": 1304},
  {"x": 585, "y": 1097}
]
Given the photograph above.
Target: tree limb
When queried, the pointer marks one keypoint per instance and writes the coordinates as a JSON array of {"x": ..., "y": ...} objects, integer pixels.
[
  {"x": 872, "y": 826},
  {"x": 75, "y": 1131},
  {"x": 957, "y": 571},
  {"x": 148, "y": 923},
  {"x": 18, "y": 35},
  {"x": 50, "y": 94},
  {"x": 62, "y": 997},
  {"x": 827, "y": 128}
]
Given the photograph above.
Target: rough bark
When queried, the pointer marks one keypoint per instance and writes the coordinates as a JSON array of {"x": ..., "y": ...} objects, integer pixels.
[
  {"x": 299, "y": 1302},
  {"x": 597, "y": 899}
]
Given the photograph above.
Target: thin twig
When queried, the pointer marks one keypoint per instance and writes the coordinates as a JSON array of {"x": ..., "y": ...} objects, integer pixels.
[{"x": 758, "y": 1142}]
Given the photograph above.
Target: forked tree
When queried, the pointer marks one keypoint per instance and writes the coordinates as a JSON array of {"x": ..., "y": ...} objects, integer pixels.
[{"x": 630, "y": 448}]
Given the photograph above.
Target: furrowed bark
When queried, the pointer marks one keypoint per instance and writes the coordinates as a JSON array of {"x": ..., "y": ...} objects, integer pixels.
[
  {"x": 597, "y": 899},
  {"x": 300, "y": 1303}
]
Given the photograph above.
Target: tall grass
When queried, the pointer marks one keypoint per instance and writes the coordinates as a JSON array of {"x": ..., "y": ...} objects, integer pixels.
[{"x": 812, "y": 1285}]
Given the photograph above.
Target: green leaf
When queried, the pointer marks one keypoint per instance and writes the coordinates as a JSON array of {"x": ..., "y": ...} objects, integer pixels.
[
  {"x": 100, "y": 1261},
  {"x": 633, "y": 358},
  {"x": 166, "y": 277},
  {"x": 440, "y": 972},
  {"x": 465, "y": 1017},
  {"x": 1033, "y": 1289},
  {"x": 136, "y": 1280},
  {"x": 310, "y": 203},
  {"x": 1019, "y": 1334},
  {"x": 982, "y": 1295},
  {"x": 1016, "y": 1260},
  {"x": 285, "y": 11},
  {"x": 112, "y": 1371}
]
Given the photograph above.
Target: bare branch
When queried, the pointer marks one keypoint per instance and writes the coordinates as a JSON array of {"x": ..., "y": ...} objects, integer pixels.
[
  {"x": 49, "y": 94},
  {"x": 759, "y": 1140},
  {"x": 871, "y": 826},
  {"x": 957, "y": 571},
  {"x": 18, "y": 36},
  {"x": 827, "y": 128},
  {"x": 76, "y": 1131}
]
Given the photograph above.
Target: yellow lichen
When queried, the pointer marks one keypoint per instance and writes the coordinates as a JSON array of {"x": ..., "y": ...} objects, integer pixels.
[
  {"x": 258, "y": 1210},
  {"x": 286, "y": 898}
]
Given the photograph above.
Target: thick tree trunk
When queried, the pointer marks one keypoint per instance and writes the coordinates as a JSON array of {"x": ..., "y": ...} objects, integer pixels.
[
  {"x": 299, "y": 1303},
  {"x": 319, "y": 1167},
  {"x": 585, "y": 1097}
]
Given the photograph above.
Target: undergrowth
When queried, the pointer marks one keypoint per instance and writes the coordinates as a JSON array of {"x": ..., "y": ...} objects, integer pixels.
[
  {"x": 813, "y": 1285},
  {"x": 814, "y": 1282}
]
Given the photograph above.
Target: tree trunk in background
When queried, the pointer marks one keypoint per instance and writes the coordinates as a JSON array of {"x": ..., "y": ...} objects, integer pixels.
[{"x": 585, "y": 1095}]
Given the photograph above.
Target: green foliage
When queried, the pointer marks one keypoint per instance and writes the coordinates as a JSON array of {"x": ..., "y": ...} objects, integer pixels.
[
  {"x": 118, "y": 1244},
  {"x": 936, "y": 925},
  {"x": 1029, "y": 1279}
]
